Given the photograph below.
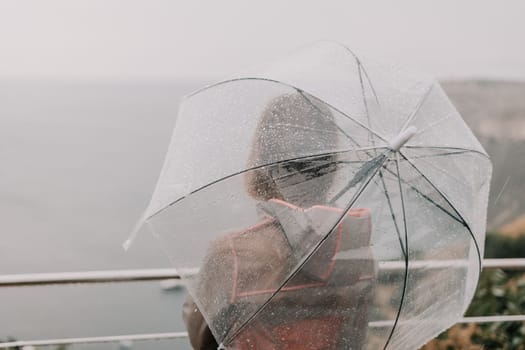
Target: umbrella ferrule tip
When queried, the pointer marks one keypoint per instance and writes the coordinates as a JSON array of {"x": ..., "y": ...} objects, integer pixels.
[{"x": 397, "y": 142}]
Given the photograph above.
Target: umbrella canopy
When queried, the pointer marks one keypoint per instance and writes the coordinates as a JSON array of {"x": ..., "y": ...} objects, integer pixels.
[{"x": 320, "y": 200}]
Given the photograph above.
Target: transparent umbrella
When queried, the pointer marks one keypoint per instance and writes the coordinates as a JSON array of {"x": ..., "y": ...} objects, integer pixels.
[{"x": 326, "y": 202}]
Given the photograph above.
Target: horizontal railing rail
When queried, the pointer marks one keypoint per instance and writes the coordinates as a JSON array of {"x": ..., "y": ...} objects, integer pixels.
[
  {"x": 95, "y": 340},
  {"x": 35, "y": 279},
  {"x": 19, "y": 280},
  {"x": 182, "y": 335},
  {"x": 24, "y": 280}
]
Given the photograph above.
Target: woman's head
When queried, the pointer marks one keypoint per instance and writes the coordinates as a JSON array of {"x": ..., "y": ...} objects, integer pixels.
[{"x": 292, "y": 130}]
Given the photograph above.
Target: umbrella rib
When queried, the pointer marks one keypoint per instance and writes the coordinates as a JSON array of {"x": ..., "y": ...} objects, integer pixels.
[
  {"x": 290, "y": 86},
  {"x": 443, "y": 171},
  {"x": 355, "y": 180},
  {"x": 405, "y": 279},
  {"x": 370, "y": 138},
  {"x": 398, "y": 232},
  {"x": 433, "y": 124},
  {"x": 370, "y": 82},
  {"x": 421, "y": 194},
  {"x": 360, "y": 64},
  {"x": 339, "y": 111},
  {"x": 362, "y": 70},
  {"x": 450, "y": 204},
  {"x": 425, "y": 159},
  {"x": 251, "y": 169},
  {"x": 428, "y": 199},
  {"x": 451, "y": 153},
  {"x": 302, "y": 93},
  {"x": 417, "y": 108},
  {"x": 309, "y": 255},
  {"x": 449, "y": 148}
]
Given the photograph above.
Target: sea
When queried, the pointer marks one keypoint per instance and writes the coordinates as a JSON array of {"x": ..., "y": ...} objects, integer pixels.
[{"x": 79, "y": 161}]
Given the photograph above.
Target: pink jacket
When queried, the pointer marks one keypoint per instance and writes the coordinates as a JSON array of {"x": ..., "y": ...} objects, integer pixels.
[{"x": 324, "y": 306}]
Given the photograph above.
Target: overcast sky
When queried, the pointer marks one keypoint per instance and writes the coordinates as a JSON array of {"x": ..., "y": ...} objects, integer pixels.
[{"x": 157, "y": 39}]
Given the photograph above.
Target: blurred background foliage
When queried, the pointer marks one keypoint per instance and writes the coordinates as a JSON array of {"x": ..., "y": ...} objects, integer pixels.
[{"x": 499, "y": 293}]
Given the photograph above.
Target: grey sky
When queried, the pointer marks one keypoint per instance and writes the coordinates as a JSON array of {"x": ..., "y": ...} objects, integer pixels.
[{"x": 152, "y": 39}]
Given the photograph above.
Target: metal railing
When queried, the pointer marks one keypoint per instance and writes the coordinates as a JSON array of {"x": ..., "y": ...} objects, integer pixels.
[
  {"x": 23, "y": 280},
  {"x": 96, "y": 340},
  {"x": 35, "y": 279}
]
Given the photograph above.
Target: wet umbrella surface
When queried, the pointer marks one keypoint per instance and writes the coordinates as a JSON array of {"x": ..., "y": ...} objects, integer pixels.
[{"x": 328, "y": 202}]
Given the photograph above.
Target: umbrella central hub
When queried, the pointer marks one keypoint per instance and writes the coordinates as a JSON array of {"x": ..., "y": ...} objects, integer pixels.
[{"x": 398, "y": 141}]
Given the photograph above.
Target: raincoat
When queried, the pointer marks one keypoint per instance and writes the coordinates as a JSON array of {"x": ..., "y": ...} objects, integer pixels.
[{"x": 306, "y": 314}]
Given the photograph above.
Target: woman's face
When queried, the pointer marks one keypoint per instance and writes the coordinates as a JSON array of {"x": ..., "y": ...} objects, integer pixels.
[{"x": 304, "y": 183}]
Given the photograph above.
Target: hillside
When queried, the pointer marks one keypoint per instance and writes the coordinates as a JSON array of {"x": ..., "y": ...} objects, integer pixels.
[{"x": 495, "y": 110}]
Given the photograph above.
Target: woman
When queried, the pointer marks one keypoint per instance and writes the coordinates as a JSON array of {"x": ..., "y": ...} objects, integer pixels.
[{"x": 252, "y": 272}]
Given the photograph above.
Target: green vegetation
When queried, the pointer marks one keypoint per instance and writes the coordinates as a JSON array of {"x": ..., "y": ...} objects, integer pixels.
[
  {"x": 499, "y": 293},
  {"x": 500, "y": 247}
]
